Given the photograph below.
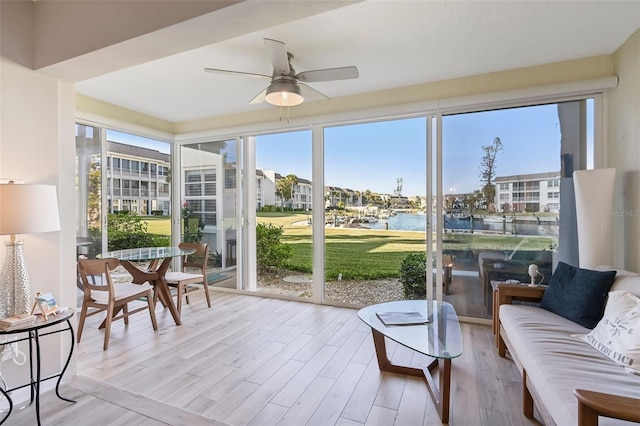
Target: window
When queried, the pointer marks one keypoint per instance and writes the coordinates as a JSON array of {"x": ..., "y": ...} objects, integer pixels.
[
  {"x": 282, "y": 160},
  {"x": 371, "y": 184},
  {"x": 208, "y": 200},
  {"x": 527, "y": 142},
  {"x": 229, "y": 178}
]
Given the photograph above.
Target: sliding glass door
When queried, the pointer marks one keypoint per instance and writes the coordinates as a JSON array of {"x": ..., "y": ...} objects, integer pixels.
[
  {"x": 89, "y": 169},
  {"x": 210, "y": 204},
  {"x": 283, "y": 208},
  {"x": 123, "y": 196},
  {"x": 507, "y": 187},
  {"x": 375, "y": 211}
]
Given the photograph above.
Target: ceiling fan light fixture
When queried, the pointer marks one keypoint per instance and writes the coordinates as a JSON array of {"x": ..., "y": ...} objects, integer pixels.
[{"x": 284, "y": 93}]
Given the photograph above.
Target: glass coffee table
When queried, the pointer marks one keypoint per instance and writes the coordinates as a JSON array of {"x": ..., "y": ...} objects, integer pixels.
[{"x": 439, "y": 339}]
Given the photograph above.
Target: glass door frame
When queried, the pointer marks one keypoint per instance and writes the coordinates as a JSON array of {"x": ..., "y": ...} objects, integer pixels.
[{"x": 433, "y": 110}]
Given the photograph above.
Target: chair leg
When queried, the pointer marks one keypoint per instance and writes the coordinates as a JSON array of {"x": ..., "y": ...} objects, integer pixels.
[
  {"x": 83, "y": 315},
  {"x": 125, "y": 312},
  {"x": 206, "y": 292},
  {"x": 152, "y": 310},
  {"x": 181, "y": 289},
  {"x": 107, "y": 326}
]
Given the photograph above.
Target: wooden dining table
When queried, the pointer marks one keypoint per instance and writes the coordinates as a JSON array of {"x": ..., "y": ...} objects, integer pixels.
[{"x": 158, "y": 259}]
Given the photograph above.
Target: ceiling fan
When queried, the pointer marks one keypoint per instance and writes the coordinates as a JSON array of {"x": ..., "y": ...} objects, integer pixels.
[{"x": 286, "y": 84}]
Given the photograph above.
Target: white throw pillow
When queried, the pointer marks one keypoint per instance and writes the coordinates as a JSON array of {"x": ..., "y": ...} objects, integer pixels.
[{"x": 617, "y": 335}]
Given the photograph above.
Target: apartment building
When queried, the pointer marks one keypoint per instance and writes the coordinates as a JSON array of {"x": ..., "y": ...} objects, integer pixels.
[
  {"x": 535, "y": 192},
  {"x": 137, "y": 179}
]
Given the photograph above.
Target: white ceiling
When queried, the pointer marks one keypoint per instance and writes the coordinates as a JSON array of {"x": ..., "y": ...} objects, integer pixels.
[{"x": 393, "y": 44}]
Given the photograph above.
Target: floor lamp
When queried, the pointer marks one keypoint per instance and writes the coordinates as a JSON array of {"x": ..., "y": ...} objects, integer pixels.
[{"x": 24, "y": 209}]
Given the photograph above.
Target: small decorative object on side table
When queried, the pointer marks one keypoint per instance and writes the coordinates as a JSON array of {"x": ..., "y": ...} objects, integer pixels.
[
  {"x": 46, "y": 304},
  {"x": 506, "y": 293}
]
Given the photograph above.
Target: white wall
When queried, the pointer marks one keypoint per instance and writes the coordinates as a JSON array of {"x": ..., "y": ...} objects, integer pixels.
[
  {"x": 37, "y": 146},
  {"x": 624, "y": 153}
]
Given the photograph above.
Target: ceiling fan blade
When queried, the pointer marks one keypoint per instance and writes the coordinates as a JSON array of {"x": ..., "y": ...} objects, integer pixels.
[
  {"x": 259, "y": 98},
  {"x": 277, "y": 52},
  {"x": 228, "y": 72},
  {"x": 309, "y": 93},
  {"x": 342, "y": 73}
]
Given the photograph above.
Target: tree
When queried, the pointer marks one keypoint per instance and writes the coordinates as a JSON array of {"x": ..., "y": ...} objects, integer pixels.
[
  {"x": 488, "y": 169},
  {"x": 366, "y": 197},
  {"x": 357, "y": 195},
  {"x": 284, "y": 187}
]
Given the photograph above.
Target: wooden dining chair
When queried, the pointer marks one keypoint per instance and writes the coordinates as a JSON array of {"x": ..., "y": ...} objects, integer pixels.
[
  {"x": 191, "y": 282},
  {"x": 102, "y": 294}
]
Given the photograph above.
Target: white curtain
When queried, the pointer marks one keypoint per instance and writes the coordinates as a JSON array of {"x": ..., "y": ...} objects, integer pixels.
[{"x": 594, "y": 191}]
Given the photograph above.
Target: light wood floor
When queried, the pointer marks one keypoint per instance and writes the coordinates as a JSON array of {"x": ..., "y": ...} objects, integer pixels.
[{"x": 258, "y": 361}]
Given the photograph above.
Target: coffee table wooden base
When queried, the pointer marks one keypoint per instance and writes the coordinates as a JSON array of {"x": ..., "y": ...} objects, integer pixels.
[{"x": 440, "y": 394}]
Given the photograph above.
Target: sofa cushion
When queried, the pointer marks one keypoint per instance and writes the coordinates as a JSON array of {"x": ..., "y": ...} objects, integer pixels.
[
  {"x": 625, "y": 280},
  {"x": 557, "y": 363},
  {"x": 617, "y": 335},
  {"x": 578, "y": 294}
]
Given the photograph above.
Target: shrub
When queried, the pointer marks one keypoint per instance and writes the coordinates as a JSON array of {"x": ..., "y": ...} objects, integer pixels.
[
  {"x": 269, "y": 208},
  {"x": 127, "y": 230},
  {"x": 270, "y": 251},
  {"x": 215, "y": 259},
  {"x": 192, "y": 225},
  {"x": 413, "y": 275}
]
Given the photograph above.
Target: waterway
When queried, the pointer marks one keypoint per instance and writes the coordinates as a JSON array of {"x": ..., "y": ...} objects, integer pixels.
[{"x": 418, "y": 222}]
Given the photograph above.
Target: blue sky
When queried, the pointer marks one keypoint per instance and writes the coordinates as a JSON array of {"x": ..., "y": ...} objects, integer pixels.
[{"x": 373, "y": 155}]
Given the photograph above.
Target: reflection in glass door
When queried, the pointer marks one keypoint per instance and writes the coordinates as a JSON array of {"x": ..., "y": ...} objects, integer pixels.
[
  {"x": 209, "y": 205},
  {"x": 88, "y": 191},
  {"x": 505, "y": 173}
]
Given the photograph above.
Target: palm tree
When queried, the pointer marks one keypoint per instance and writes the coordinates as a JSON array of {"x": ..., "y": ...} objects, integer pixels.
[{"x": 284, "y": 188}]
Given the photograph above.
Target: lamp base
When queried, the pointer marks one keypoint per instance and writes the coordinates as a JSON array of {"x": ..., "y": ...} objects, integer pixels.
[{"x": 16, "y": 296}]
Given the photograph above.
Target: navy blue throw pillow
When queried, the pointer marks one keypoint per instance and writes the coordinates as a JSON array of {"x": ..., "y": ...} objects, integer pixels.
[{"x": 578, "y": 294}]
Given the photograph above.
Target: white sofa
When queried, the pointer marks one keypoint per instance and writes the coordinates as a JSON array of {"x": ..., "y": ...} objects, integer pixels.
[{"x": 554, "y": 363}]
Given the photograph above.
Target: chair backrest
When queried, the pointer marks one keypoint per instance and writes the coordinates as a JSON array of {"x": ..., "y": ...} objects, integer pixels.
[
  {"x": 198, "y": 259},
  {"x": 96, "y": 274}
]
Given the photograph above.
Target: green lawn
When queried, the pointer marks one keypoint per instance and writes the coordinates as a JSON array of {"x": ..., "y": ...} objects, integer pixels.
[
  {"x": 367, "y": 253},
  {"x": 159, "y": 225},
  {"x": 373, "y": 254}
]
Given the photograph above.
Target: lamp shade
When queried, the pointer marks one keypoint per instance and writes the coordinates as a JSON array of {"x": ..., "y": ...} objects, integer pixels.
[
  {"x": 27, "y": 209},
  {"x": 284, "y": 93}
]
